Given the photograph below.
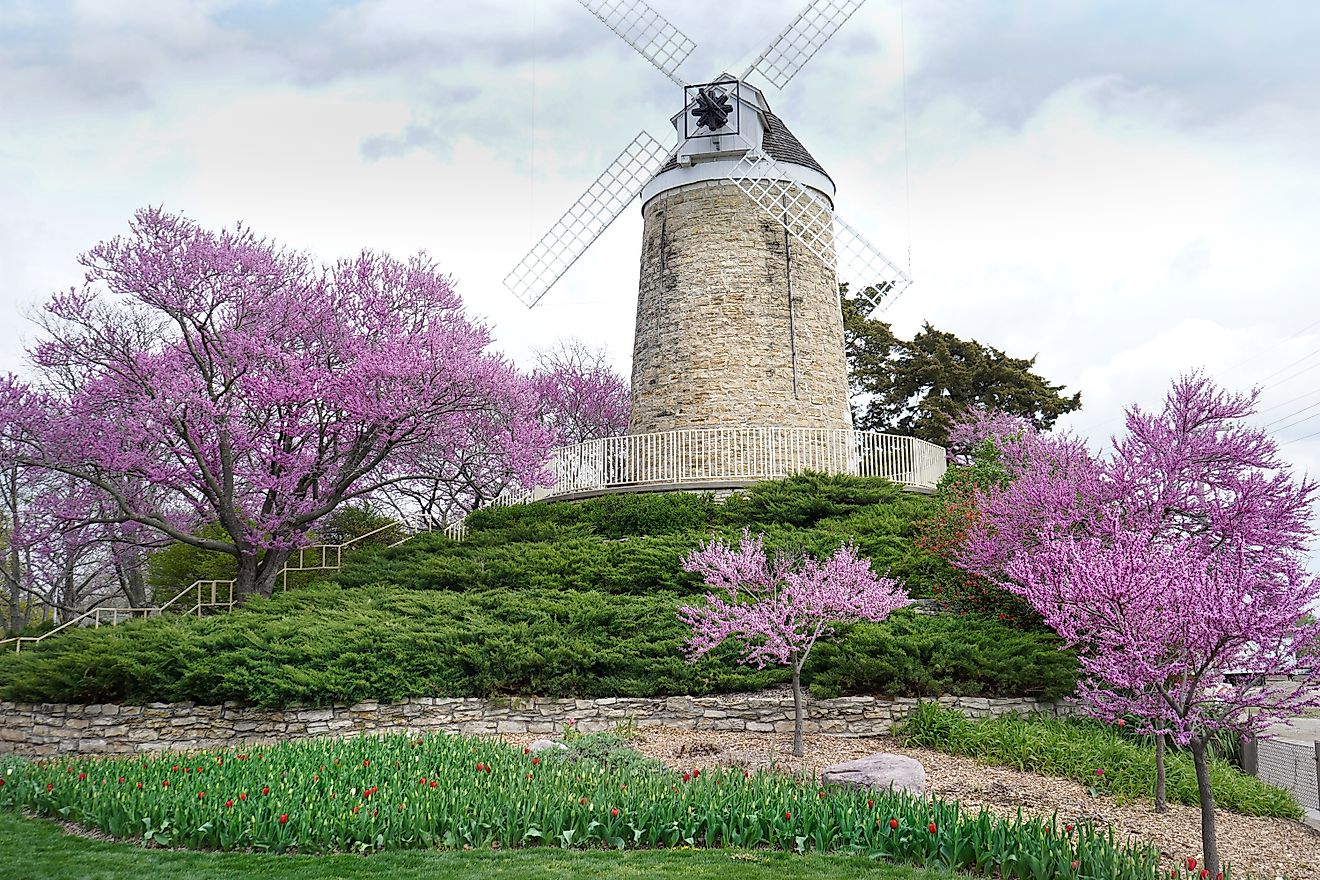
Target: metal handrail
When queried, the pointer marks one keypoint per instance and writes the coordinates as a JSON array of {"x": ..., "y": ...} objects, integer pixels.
[{"x": 96, "y": 615}]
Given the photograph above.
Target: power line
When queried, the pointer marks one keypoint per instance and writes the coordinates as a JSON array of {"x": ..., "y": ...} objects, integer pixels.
[
  {"x": 1304, "y": 394},
  {"x": 1304, "y": 357},
  {"x": 1292, "y": 414}
]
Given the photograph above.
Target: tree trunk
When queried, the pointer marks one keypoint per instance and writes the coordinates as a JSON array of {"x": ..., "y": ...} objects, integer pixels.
[
  {"x": 1209, "y": 844},
  {"x": 258, "y": 576},
  {"x": 1161, "y": 803},
  {"x": 17, "y": 619},
  {"x": 798, "y": 750}
]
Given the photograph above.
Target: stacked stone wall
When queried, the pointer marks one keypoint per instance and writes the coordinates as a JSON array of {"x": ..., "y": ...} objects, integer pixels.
[
  {"x": 713, "y": 344},
  {"x": 57, "y": 728}
]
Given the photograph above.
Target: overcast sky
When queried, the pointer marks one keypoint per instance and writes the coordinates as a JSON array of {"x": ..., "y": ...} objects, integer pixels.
[{"x": 1128, "y": 190}]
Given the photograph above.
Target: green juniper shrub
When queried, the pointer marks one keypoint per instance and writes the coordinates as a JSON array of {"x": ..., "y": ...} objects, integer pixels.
[
  {"x": 913, "y": 654},
  {"x": 1075, "y": 748},
  {"x": 564, "y": 599}
]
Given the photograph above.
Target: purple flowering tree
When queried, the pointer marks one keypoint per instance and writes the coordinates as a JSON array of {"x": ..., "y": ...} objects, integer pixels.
[
  {"x": 1174, "y": 565},
  {"x": 777, "y": 608},
  {"x": 579, "y": 395},
  {"x": 245, "y": 385}
]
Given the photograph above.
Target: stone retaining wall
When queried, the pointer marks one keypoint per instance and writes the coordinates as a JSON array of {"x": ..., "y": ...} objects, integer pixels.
[{"x": 56, "y": 728}]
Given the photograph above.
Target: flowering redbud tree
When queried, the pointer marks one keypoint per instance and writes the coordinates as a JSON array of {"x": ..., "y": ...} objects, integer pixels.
[
  {"x": 580, "y": 396},
  {"x": 778, "y": 608},
  {"x": 248, "y": 386},
  {"x": 1175, "y": 567}
]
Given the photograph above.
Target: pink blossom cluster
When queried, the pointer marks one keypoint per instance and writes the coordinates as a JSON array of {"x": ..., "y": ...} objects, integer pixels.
[{"x": 778, "y": 608}]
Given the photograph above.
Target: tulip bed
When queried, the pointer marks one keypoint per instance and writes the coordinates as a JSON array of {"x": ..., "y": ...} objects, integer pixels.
[{"x": 398, "y": 792}]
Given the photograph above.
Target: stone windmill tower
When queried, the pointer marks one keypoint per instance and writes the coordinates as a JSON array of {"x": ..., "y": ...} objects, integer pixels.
[{"x": 738, "y": 317}]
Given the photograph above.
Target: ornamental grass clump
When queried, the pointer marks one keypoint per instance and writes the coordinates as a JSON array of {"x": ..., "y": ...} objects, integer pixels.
[
  {"x": 778, "y": 609},
  {"x": 422, "y": 792}
]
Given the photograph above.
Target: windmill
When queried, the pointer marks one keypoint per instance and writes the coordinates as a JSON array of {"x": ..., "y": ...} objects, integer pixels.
[{"x": 738, "y": 318}]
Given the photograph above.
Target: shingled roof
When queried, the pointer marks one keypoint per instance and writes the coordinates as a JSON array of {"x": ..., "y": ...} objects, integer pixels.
[{"x": 779, "y": 143}]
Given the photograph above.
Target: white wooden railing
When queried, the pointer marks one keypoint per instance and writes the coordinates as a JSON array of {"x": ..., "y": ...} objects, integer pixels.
[{"x": 721, "y": 455}]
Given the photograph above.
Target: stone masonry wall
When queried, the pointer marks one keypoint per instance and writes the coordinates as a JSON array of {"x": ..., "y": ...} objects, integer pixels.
[
  {"x": 57, "y": 728},
  {"x": 712, "y": 345}
]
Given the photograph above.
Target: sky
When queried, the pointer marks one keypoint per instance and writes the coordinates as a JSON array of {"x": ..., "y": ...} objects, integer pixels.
[{"x": 1126, "y": 190}]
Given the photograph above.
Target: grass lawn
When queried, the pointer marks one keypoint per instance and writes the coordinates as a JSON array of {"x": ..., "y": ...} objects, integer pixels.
[{"x": 32, "y": 849}]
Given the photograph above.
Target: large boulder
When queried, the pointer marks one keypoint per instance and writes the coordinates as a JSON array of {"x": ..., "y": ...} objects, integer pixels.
[{"x": 879, "y": 772}]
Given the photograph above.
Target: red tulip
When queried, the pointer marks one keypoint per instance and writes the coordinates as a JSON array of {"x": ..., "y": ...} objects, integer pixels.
[
  {"x": 1191, "y": 864},
  {"x": 243, "y": 796},
  {"x": 893, "y": 824},
  {"x": 433, "y": 783},
  {"x": 821, "y": 793},
  {"x": 50, "y": 786},
  {"x": 366, "y": 763},
  {"x": 139, "y": 785},
  {"x": 284, "y": 818},
  {"x": 1122, "y": 723},
  {"x": 82, "y": 777},
  {"x": 229, "y": 803},
  {"x": 481, "y": 766},
  {"x": 526, "y": 751},
  {"x": 614, "y": 813},
  {"x": 536, "y": 760},
  {"x": 1068, "y": 828},
  {"x": 164, "y": 783},
  {"x": 696, "y": 774},
  {"x": 1074, "y": 865},
  {"x": 787, "y": 814},
  {"x": 529, "y": 776},
  {"x": 200, "y": 795},
  {"x": 121, "y": 780},
  {"x": 265, "y": 789},
  {"x": 932, "y": 828},
  {"x": 687, "y": 777},
  {"x": 1205, "y": 872},
  {"x": 870, "y": 804}
]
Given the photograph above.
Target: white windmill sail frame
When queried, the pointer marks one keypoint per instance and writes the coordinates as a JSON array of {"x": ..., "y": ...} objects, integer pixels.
[
  {"x": 602, "y": 202},
  {"x": 653, "y": 36},
  {"x": 802, "y": 39},
  {"x": 808, "y": 216}
]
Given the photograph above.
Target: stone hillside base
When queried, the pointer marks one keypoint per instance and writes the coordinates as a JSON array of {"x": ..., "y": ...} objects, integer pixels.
[{"x": 58, "y": 728}]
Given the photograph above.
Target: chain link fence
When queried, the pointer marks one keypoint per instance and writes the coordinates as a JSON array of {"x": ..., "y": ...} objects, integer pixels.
[{"x": 1288, "y": 763}]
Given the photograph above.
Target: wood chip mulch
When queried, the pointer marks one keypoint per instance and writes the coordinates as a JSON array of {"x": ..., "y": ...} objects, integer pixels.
[{"x": 1256, "y": 847}]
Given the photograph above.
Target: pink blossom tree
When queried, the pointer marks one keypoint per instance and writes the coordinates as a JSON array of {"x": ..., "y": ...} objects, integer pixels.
[
  {"x": 1174, "y": 565},
  {"x": 777, "y": 609},
  {"x": 248, "y": 386},
  {"x": 580, "y": 396}
]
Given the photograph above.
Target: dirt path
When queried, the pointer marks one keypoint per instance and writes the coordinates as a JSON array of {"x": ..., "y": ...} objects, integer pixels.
[{"x": 1263, "y": 848}]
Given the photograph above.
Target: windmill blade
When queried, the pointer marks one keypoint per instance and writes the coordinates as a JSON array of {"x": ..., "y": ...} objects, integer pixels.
[
  {"x": 802, "y": 39},
  {"x": 647, "y": 31},
  {"x": 811, "y": 220},
  {"x": 875, "y": 279},
  {"x": 590, "y": 215}
]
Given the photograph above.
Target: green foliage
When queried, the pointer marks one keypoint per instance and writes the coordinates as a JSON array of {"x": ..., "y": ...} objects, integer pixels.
[
  {"x": 47, "y": 853},
  {"x": 1075, "y": 748},
  {"x": 566, "y": 599},
  {"x": 914, "y": 387},
  {"x": 398, "y": 792},
  {"x": 930, "y": 655},
  {"x": 350, "y": 521},
  {"x": 176, "y": 566}
]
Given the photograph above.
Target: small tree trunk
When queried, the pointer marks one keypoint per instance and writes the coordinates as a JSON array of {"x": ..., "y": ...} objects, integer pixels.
[
  {"x": 258, "y": 576},
  {"x": 798, "y": 750},
  {"x": 1161, "y": 804},
  {"x": 1209, "y": 844}
]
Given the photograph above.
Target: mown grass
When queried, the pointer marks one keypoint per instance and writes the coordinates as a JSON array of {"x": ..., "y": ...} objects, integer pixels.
[
  {"x": 32, "y": 849},
  {"x": 1075, "y": 748}
]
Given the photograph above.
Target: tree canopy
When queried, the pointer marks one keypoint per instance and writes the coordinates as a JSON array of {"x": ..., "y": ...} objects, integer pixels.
[{"x": 919, "y": 387}]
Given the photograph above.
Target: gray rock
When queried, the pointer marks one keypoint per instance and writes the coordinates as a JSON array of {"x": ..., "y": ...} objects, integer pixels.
[
  {"x": 541, "y": 745},
  {"x": 880, "y": 772}
]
